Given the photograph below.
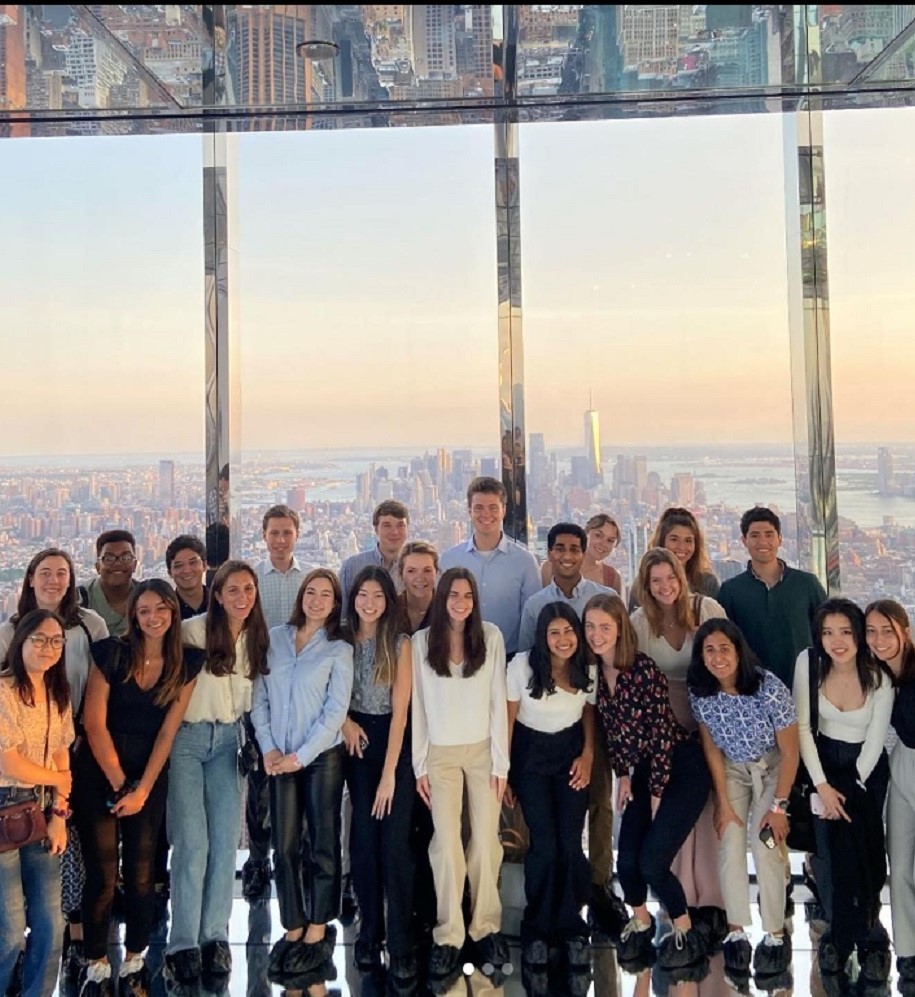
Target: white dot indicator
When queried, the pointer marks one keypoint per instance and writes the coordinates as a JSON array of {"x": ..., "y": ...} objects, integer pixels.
[{"x": 468, "y": 969}]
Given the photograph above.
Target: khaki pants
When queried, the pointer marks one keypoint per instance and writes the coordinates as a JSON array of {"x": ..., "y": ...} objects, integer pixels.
[
  {"x": 600, "y": 813},
  {"x": 751, "y": 789},
  {"x": 450, "y": 768}
]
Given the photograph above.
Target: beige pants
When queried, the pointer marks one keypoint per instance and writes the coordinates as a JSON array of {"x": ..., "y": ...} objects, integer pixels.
[
  {"x": 600, "y": 814},
  {"x": 449, "y": 770}
]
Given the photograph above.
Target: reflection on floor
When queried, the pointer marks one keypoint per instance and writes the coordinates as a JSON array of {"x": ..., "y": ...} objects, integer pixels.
[{"x": 254, "y": 927}]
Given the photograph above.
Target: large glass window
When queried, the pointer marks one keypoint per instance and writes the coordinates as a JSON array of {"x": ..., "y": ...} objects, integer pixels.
[
  {"x": 101, "y": 387},
  {"x": 655, "y": 326},
  {"x": 368, "y": 330}
]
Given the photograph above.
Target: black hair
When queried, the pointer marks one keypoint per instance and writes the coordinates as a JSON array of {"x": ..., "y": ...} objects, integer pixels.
[
  {"x": 572, "y": 529},
  {"x": 388, "y": 627},
  {"x": 759, "y": 514},
  {"x": 184, "y": 542},
  {"x": 439, "y": 650},
  {"x": 540, "y": 657},
  {"x": 701, "y": 682},
  {"x": 55, "y": 678},
  {"x": 114, "y": 537},
  {"x": 870, "y": 673}
]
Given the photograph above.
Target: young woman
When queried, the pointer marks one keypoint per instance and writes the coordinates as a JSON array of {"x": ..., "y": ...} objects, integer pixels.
[
  {"x": 603, "y": 536},
  {"x": 848, "y": 767},
  {"x": 551, "y": 698},
  {"x": 204, "y": 783},
  {"x": 36, "y": 730},
  {"x": 418, "y": 566},
  {"x": 460, "y": 740},
  {"x": 748, "y": 727},
  {"x": 50, "y": 583},
  {"x": 889, "y": 638},
  {"x": 379, "y": 775},
  {"x": 298, "y": 708},
  {"x": 679, "y": 532},
  {"x": 663, "y": 783},
  {"x": 139, "y": 688},
  {"x": 665, "y": 625}
]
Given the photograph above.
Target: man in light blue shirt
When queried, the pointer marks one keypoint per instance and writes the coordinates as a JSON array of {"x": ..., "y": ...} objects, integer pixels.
[
  {"x": 507, "y": 574},
  {"x": 391, "y": 520},
  {"x": 566, "y": 545}
]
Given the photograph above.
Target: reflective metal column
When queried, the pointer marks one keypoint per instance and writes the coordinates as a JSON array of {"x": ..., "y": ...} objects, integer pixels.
[{"x": 220, "y": 308}]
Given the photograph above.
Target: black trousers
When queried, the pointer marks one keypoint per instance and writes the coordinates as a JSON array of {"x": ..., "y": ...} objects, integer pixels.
[
  {"x": 647, "y": 847},
  {"x": 557, "y": 876},
  {"x": 381, "y": 857},
  {"x": 309, "y": 799},
  {"x": 257, "y": 804}
]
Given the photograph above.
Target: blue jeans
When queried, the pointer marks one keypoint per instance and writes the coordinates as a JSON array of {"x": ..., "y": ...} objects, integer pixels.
[
  {"x": 30, "y": 877},
  {"x": 204, "y": 824}
]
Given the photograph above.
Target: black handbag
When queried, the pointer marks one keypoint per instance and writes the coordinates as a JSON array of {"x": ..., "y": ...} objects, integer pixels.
[
  {"x": 24, "y": 823},
  {"x": 801, "y": 833}
]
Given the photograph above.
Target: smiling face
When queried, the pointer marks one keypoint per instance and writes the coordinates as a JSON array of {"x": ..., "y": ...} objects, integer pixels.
[
  {"x": 762, "y": 542},
  {"x": 188, "y": 570},
  {"x": 280, "y": 535},
  {"x": 884, "y": 637},
  {"x": 370, "y": 602},
  {"x": 116, "y": 563},
  {"x": 838, "y": 639},
  {"x": 392, "y": 535},
  {"x": 561, "y": 639},
  {"x": 601, "y": 631},
  {"x": 664, "y": 584},
  {"x": 153, "y": 615},
  {"x": 681, "y": 542},
  {"x": 601, "y": 541},
  {"x": 719, "y": 655},
  {"x": 39, "y": 653},
  {"x": 50, "y": 582},
  {"x": 318, "y": 600},
  {"x": 419, "y": 576},
  {"x": 460, "y": 601},
  {"x": 566, "y": 558},
  {"x": 238, "y": 596},
  {"x": 487, "y": 513}
]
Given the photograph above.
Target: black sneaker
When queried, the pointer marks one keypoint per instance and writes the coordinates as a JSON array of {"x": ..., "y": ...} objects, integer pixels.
[
  {"x": 578, "y": 954},
  {"x": 772, "y": 955},
  {"x": 444, "y": 961},
  {"x": 607, "y": 914},
  {"x": 681, "y": 948},
  {"x": 535, "y": 954},
  {"x": 255, "y": 880},
  {"x": 366, "y": 955},
  {"x": 492, "y": 950},
  {"x": 134, "y": 984},
  {"x": 737, "y": 954},
  {"x": 634, "y": 945},
  {"x": 216, "y": 959},
  {"x": 349, "y": 906}
]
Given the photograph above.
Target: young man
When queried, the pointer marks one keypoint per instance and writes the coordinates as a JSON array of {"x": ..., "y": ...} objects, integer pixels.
[
  {"x": 507, "y": 573},
  {"x": 391, "y": 521},
  {"x": 186, "y": 563},
  {"x": 566, "y": 545},
  {"x": 773, "y": 604},
  {"x": 107, "y": 594}
]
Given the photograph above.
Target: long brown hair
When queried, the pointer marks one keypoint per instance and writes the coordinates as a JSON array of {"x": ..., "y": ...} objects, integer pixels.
[
  {"x": 440, "y": 627},
  {"x": 68, "y": 610},
  {"x": 685, "y": 615},
  {"x": 899, "y": 619},
  {"x": 627, "y": 643},
  {"x": 55, "y": 678},
  {"x": 172, "y": 681},
  {"x": 388, "y": 633},
  {"x": 699, "y": 564},
  {"x": 333, "y": 625},
  {"x": 220, "y": 648}
]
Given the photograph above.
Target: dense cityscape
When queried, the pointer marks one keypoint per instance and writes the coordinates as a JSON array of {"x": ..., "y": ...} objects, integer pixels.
[{"x": 68, "y": 501}]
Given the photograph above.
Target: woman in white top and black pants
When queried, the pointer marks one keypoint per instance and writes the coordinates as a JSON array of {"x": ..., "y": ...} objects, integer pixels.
[
  {"x": 460, "y": 738},
  {"x": 551, "y": 699},
  {"x": 848, "y": 766}
]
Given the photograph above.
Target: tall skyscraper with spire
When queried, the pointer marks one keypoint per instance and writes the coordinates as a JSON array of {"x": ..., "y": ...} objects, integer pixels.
[{"x": 592, "y": 442}]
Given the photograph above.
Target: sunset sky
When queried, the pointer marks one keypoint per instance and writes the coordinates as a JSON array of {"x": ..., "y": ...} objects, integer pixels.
[{"x": 654, "y": 274}]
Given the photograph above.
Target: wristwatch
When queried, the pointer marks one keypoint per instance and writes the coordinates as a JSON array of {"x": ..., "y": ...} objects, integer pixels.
[{"x": 779, "y": 805}]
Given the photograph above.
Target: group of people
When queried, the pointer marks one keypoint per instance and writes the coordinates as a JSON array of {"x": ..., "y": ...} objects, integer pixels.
[{"x": 386, "y": 719}]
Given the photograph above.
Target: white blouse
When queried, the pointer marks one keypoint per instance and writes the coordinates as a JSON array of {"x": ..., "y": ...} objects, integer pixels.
[
  {"x": 549, "y": 714},
  {"x": 217, "y": 699}
]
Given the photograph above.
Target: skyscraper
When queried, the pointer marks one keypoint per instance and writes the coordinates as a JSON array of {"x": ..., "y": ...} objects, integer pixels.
[
  {"x": 592, "y": 443},
  {"x": 886, "y": 477},
  {"x": 166, "y": 483}
]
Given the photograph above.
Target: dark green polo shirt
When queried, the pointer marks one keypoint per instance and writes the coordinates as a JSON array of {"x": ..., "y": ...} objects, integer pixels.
[{"x": 776, "y": 621}]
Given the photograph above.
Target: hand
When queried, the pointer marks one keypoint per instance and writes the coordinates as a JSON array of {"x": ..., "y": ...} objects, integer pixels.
[
  {"x": 353, "y": 737},
  {"x": 271, "y": 760},
  {"x": 384, "y": 796},
  {"x": 509, "y": 798},
  {"x": 63, "y": 782},
  {"x": 131, "y": 803},
  {"x": 498, "y": 783},
  {"x": 288, "y": 764},
  {"x": 424, "y": 790},
  {"x": 581, "y": 772},
  {"x": 724, "y": 815},
  {"x": 832, "y": 801},
  {"x": 655, "y": 803},
  {"x": 779, "y": 824},
  {"x": 57, "y": 835},
  {"x": 623, "y": 793}
]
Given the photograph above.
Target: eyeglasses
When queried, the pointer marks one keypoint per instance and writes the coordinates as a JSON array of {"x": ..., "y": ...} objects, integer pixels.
[
  {"x": 40, "y": 642},
  {"x": 118, "y": 558}
]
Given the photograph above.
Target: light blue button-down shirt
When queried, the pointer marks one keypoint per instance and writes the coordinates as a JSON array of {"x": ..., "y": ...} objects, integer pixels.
[
  {"x": 301, "y": 705},
  {"x": 506, "y": 577},
  {"x": 353, "y": 565},
  {"x": 553, "y": 593},
  {"x": 278, "y": 590}
]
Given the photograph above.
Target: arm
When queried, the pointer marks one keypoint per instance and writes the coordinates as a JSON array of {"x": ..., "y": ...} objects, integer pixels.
[
  {"x": 260, "y": 715},
  {"x": 580, "y": 771},
  {"x": 325, "y": 729},
  {"x": 13, "y": 765},
  {"x": 420, "y": 728},
  {"x": 787, "y": 740},
  {"x": 57, "y": 826},
  {"x": 528, "y": 627},
  {"x": 530, "y": 580},
  {"x": 95, "y": 723},
  {"x": 498, "y": 713},
  {"x": 658, "y": 719},
  {"x": 808, "y": 747},
  {"x": 876, "y": 730},
  {"x": 400, "y": 704},
  {"x": 714, "y": 757}
]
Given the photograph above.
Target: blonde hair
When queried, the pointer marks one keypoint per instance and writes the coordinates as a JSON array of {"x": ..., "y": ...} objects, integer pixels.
[
  {"x": 417, "y": 547},
  {"x": 685, "y": 614}
]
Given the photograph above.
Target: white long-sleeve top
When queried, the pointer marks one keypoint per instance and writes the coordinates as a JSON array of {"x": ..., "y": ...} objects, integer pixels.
[
  {"x": 866, "y": 726},
  {"x": 457, "y": 710}
]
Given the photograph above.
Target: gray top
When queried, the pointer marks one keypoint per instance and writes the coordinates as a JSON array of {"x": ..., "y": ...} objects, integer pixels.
[{"x": 368, "y": 696}]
